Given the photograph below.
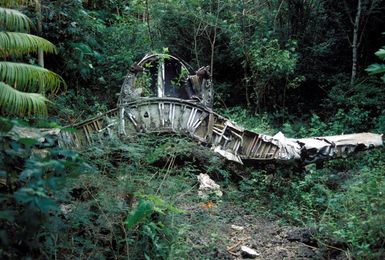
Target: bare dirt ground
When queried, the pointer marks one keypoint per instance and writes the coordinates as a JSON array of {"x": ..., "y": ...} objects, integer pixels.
[{"x": 220, "y": 231}]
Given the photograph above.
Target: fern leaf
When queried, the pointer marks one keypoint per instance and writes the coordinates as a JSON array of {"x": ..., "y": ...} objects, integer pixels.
[
  {"x": 13, "y": 101},
  {"x": 13, "y": 20},
  {"x": 30, "y": 78},
  {"x": 15, "y": 43}
]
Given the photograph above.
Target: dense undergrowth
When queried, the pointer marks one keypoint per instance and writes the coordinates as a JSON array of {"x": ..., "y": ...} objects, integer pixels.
[
  {"x": 290, "y": 61},
  {"x": 343, "y": 200},
  {"x": 121, "y": 206},
  {"x": 137, "y": 198}
]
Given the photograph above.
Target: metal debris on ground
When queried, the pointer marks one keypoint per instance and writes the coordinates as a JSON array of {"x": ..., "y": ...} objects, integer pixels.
[
  {"x": 248, "y": 252},
  {"x": 208, "y": 187},
  {"x": 237, "y": 228}
]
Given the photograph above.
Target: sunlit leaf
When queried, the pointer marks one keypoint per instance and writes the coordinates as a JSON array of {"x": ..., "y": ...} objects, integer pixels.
[
  {"x": 15, "y": 43},
  {"x": 30, "y": 78},
  {"x": 13, "y": 101},
  {"x": 380, "y": 53},
  {"x": 376, "y": 69},
  {"x": 142, "y": 211},
  {"x": 13, "y": 20}
]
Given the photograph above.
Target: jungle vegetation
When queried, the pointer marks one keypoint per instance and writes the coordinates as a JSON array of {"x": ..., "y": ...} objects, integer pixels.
[{"x": 307, "y": 68}]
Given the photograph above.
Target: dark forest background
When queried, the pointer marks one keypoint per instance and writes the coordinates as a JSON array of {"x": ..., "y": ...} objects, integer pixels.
[
  {"x": 303, "y": 67},
  {"x": 291, "y": 59}
]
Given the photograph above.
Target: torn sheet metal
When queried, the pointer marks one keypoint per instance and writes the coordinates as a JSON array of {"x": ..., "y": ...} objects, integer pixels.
[
  {"x": 161, "y": 94},
  {"x": 227, "y": 139},
  {"x": 339, "y": 146}
]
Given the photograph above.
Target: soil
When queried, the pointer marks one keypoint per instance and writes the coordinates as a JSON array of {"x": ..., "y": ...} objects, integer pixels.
[{"x": 215, "y": 231}]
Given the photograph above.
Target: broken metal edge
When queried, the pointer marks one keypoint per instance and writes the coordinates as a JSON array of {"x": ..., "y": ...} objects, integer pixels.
[{"x": 286, "y": 150}]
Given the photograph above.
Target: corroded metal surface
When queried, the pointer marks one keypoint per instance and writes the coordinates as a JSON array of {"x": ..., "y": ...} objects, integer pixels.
[
  {"x": 164, "y": 75},
  {"x": 171, "y": 115},
  {"x": 160, "y": 94},
  {"x": 90, "y": 131}
]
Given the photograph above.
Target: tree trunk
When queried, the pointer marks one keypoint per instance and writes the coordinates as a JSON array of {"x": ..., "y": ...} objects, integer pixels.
[
  {"x": 148, "y": 24},
  {"x": 196, "y": 33},
  {"x": 212, "y": 53},
  {"x": 355, "y": 43},
  {"x": 39, "y": 30}
]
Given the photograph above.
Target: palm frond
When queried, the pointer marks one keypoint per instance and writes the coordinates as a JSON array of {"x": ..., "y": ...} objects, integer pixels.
[
  {"x": 26, "y": 77},
  {"x": 13, "y": 20},
  {"x": 15, "y": 43},
  {"x": 15, "y": 3},
  {"x": 16, "y": 102}
]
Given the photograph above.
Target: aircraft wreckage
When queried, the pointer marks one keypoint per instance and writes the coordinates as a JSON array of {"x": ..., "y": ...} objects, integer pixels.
[{"x": 161, "y": 94}]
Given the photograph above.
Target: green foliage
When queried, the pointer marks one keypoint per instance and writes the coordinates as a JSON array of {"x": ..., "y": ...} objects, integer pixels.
[
  {"x": 5, "y": 125},
  {"x": 257, "y": 123},
  {"x": 15, "y": 43},
  {"x": 28, "y": 206},
  {"x": 288, "y": 58},
  {"x": 269, "y": 65},
  {"x": 73, "y": 106},
  {"x": 168, "y": 147},
  {"x": 131, "y": 208},
  {"x": 144, "y": 209},
  {"x": 14, "y": 20},
  {"x": 376, "y": 68},
  {"x": 17, "y": 102},
  {"x": 18, "y": 79},
  {"x": 97, "y": 45},
  {"x": 30, "y": 77},
  {"x": 343, "y": 200},
  {"x": 270, "y": 60},
  {"x": 357, "y": 215}
]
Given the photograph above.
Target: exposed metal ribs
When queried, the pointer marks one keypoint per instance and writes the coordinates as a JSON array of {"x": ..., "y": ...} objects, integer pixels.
[
  {"x": 90, "y": 131},
  {"x": 179, "y": 116}
]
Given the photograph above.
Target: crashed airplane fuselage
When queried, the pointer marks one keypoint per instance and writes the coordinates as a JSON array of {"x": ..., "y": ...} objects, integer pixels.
[{"x": 160, "y": 94}]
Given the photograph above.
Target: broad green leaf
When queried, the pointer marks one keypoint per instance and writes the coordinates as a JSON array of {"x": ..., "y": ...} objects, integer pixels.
[
  {"x": 142, "y": 211},
  {"x": 376, "y": 69},
  {"x": 13, "y": 20},
  {"x": 30, "y": 78},
  {"x": 380, "y": 53},
  {"x": 16, "y": 43},
  {"x": 13, "y": 101},
  {"x": 28, "y": 142}
]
